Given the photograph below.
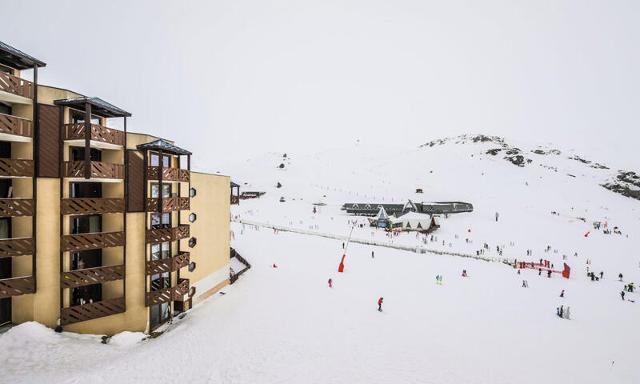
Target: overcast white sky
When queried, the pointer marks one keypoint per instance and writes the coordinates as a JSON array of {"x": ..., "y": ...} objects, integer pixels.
[{"x": 240, "y": 77}]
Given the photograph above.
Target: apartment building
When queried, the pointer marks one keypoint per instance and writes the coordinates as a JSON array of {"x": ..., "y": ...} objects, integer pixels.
[{"x": 101, "y": 230}]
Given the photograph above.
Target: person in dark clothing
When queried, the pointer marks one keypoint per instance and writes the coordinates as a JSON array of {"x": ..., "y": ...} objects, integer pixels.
[
  {"x": 562, "y": 293},
  {"x": 620, "y": 277},
  {"x": 372, "y": 255},
  {"x": 539, "y": 271},
  {"x": 380, "y": 304},
  {"x": 601, "y": 274},
  {"x": 622, "y": 294},
  {"x": 549, "y": 273}
]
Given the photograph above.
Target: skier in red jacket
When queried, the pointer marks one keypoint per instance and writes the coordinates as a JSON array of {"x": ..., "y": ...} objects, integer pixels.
[{"x": 380, "y": 304}]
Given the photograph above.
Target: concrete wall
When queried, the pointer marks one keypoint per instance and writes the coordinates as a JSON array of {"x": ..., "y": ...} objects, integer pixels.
[
  {"x": 211, "y": 229},
  {"x": 43, "y": 306}
]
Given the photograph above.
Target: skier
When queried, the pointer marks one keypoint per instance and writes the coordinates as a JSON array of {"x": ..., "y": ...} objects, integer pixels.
[
  {"x": 562, "y": 293},
  {"x": 274, "y": 265},
  {"x": 567, "y": 313},
  {"x": 620, "y": 277},
  {"x": 330, "y": 283},
  {"x": 343, "y": 245},
  {"x": 525, "y": 284},
  {"x": 601, "y": 274},
  {"x": 539, "y": 271},
  {"x": 464, "y": 273},
  {"x": 549, "y": 273},
  {"x": 497, "y": 216},
  {"x": 622, "y": 294},
  {"x": 380, "y": 304},
  {"x": 373, "y": 255}
]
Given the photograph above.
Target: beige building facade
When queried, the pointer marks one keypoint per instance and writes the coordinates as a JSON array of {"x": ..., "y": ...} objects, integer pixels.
[{"x": 101, "y": 230}]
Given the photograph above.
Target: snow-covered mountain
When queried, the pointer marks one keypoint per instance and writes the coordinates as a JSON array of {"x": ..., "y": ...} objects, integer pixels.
[{"x": 545, "y": 196}]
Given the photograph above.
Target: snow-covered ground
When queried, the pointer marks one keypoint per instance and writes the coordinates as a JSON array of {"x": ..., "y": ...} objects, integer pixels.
[{"x": 285, "y": 325}]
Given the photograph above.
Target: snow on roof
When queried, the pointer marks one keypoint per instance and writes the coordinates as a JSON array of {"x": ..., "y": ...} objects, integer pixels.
[{"x": 382, "y": 214}]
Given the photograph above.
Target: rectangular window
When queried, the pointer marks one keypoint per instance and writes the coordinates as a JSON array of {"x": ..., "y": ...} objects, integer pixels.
[
  {"x": 155, "y": 190},
  {"x": 160, "y": 220}
]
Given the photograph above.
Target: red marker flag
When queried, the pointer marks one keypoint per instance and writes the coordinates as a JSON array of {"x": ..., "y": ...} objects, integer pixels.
[{"x": 341, "y": 267}]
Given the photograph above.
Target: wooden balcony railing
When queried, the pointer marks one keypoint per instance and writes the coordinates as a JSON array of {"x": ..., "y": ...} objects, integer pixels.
[
  {"x": 90, "y": 205},
  {"x": 16, "y": 286},
  {"x": 13, "y": 84},
  {"x": 167, "y": 234},
  {"x": 16, "y": 168},
  {"x": 98, "y": 133},
  {"x": 14, "y": 125},
  {"x": 16, "y": 247},
  {"x": 16, "y": 207},
  {"x": 171, "y": 264},
  {"x": 181, "y": 289},
  {"x": 99, "y": 170},
  {"x": 89, "y": 276},
  {"x": 88, "y": 241},
  {"x": 168, "y": 174},
  {"x": 168, "y": 294},
  {"x": 169, "y": 204},
  {"x": 91, "y": 311}
]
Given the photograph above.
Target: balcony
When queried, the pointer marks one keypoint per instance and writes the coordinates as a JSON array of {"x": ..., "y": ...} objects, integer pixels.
[
  {"x": 169, "y": 204},
  {"x": 13, "y": 128},
  {"x": 167, "y": 234},
  {"x": 16, "y": 207},
  {"x": 89, "y": 276},
  {"x": 91, "y": 311},
  {"x": 90, "y": 206},
  {"x": 10, "y": 168},
  {"x": 168, "y": 174},
  {"x": 171, "y": 264},
  {"x": 16, "y": 247},
  {"x": 89, "y": 241},
  {"x": 175, "y": 293},
  {"x": 16, "y": 286},
  {"x": 99, "y": 171},
  {"x": 101, "y": 137},
  {"x": 14, "y": 89}
]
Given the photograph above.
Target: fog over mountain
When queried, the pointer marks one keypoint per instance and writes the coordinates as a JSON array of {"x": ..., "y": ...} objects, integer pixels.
[{"x": 229, "y": 79}]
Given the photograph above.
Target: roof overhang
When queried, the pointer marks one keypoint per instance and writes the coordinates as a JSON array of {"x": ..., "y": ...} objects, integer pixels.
[
  {"x": 98, "y": 106},
  {"x": 17, "y": 59},
  {"x": 164, "y": 146}
]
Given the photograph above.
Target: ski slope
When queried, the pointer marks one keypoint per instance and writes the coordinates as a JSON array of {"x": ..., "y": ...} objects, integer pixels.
[{"x": 285, "y": 325}]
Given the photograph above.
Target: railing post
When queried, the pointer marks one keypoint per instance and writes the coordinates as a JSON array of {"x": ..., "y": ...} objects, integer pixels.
[{"x": 87, "y": 141}]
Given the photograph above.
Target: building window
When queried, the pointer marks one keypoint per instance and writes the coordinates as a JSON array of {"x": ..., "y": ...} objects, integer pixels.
[
  {"x": 192, "y": 242},
  {"x": 160, "y": 220},
  {"x": 192, "y": 266},
  {"x": 160, "y": 250},
  {"x": 193, "y": 217},
  {"x": 155, "y": 160},
  {"x": 192, "y": 192},
  {"x": 155, "y": 190}
]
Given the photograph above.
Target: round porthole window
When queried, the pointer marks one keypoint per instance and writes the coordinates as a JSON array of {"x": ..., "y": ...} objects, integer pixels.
[
  {"x": 192, "y": 217},
  {"x": 192, "y": 242},
  {"x": 192, "y": 291},
  {"x": 192, "y": 192},
  {"x": 192, "y": 266}
]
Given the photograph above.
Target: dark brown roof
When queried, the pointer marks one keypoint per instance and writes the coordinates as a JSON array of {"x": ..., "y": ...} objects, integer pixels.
[
  {"x": 17, "y": 59},
  {"x": 164, "y": 146},
  {"x": 98, "y": 106}
]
